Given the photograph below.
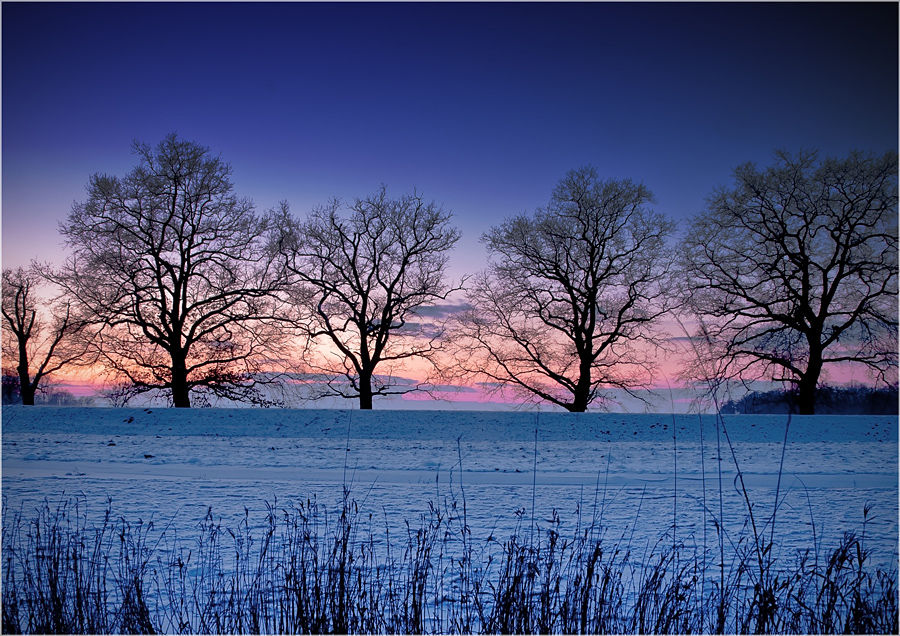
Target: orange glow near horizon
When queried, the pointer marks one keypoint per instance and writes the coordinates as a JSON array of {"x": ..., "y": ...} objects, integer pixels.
[{"x": 88, "y": 382}]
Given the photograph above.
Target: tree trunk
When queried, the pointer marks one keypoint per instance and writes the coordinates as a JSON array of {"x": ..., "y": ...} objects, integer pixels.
[
  {"x": 806, "y": 397},
  {"x": 806, "y": 388},
  {"x": 365, "y": 391},
  {"x": 581, "y": 396},
  {"x": 181, "y": 393},
  {"x": 579, "y": 404},
  {"x": 26, "y": 389}
]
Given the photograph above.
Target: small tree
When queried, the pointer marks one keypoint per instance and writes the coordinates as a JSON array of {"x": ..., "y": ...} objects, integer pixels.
[
  {"x": 794, "y": 269},
  {"x": 570, "y": 296},
  {"x": 171, "y": 266},
  {"x": 40, "y": 344},
  {"x": 361, "y": 280}
]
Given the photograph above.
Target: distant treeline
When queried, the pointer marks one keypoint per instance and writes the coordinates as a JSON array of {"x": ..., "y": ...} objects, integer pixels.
[
  {"x": 47, "y": 396},
  {"x": 857, "y": 400}
]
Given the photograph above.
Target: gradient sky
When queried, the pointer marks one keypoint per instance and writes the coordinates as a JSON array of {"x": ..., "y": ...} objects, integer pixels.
[{"x": 482, "y": 107}]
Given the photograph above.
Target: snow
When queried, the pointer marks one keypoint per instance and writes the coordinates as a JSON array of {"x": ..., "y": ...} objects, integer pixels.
[{"x": 173, "y": 464}]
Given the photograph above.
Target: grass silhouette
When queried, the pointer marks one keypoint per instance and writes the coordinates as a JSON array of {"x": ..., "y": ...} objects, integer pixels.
[{"x": 309, "y": 569}]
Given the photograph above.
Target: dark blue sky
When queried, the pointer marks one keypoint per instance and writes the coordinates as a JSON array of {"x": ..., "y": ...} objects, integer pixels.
[{"x": 482, "y": 107}]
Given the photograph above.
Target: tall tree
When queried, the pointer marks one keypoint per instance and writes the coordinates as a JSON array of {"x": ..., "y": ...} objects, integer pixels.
[
  {"x": 40, "y": 344},
  {"x": 568, "y": 302},
  {"x": 361, "y": 280},
  {"x": 794, "y": 269},
  {"x": 172, "y": 266}
]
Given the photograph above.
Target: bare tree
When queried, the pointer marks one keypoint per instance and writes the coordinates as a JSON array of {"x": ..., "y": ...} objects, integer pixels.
[
  {"x": 361, "y": 281},
  {"x": 795, "y": 269},
  {"x": 172, "y": 267},
  {"x": 40, "y": 344},
  {"x": 568, "y": 302}
]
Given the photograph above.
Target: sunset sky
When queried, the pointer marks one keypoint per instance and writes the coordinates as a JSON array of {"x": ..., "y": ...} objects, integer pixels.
[{"x": 482, "y": 107}]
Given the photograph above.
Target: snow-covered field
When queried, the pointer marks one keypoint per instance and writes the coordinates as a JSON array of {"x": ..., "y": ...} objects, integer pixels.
[{"x": 639, "y": 475}]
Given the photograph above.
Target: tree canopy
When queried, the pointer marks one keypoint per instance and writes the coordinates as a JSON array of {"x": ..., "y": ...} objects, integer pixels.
[
  {"x": 568, "y": 302},
  {"x": 361, "y": 278},
  {"x": 40, "y": 344},
  {"x": 171, "y": 268},
  {"x": 794, "y": 269}
]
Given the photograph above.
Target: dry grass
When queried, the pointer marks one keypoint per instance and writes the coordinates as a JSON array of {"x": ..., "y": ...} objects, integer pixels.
[{"x": 308, "y": 570}]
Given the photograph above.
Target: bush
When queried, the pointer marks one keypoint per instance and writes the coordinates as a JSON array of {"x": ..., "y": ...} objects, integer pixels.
[
  {"x": 12, "y": 392},
  {"x": 855, "y": 400}
]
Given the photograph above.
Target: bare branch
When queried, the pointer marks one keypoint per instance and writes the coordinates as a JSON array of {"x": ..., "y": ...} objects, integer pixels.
[
  {"x": 42, "y": 336},
  {"x": 795, "y": 268},
  {"x": 173, "y": 269},
  {"x": 568, "y": 303},
  {"x": 361, "y": 280}
]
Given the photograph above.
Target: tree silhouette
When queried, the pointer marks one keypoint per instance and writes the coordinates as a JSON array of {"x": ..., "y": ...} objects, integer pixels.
[
  {"x": 795, "y": 268},
  {"x": 568, "y": 302},
  {"x": 361, "y": 280},
  {"x": 40, "y": 345},
  {"x": 171, "y": 267}
]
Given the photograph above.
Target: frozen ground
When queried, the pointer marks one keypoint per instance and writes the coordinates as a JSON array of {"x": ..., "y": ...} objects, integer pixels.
[{"x": 640, "y": 475}]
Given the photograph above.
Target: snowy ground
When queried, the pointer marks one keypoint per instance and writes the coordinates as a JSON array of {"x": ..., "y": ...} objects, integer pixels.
[{"x": 641, "y": 473}]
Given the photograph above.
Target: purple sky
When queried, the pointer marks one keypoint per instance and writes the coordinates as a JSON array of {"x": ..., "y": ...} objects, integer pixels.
[{"x": 482, "y": 107}]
